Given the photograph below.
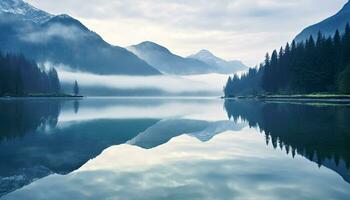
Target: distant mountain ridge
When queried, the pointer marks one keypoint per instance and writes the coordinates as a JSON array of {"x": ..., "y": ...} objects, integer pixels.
[
  {"x": 223, "y": 66},
  {"x": 327, "y": 26},
  {"x": 168, "y": 63},
  {"x": 165, "y": 61},
  {"x": 63, "y": 40}
]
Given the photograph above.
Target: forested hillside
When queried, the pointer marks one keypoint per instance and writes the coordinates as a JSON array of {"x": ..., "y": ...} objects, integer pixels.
[
  {"x": 318, "y": 65},
  {"x": 21, "y": 77}
]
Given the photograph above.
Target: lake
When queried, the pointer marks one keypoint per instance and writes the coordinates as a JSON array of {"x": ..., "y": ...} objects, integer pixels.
[{"x": 173, "y": 148}]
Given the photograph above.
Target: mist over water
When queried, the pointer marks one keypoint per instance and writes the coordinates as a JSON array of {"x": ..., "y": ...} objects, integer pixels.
[{"x": 210, "y": 84}]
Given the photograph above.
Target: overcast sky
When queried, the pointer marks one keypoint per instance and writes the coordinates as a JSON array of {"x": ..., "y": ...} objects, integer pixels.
[{"x": 231, "y": 29}]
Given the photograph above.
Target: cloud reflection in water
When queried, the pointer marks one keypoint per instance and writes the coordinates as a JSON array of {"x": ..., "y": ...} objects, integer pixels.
[{"x": 226, "y": 167}]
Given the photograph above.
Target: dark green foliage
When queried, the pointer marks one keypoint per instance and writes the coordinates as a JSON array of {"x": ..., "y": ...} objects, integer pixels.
[
  {"x": 20, "y": 77},
  {"x": 315, "y": 66},
  {"x": 246, "y": 84},
  {"x": 344, "y": 81},
  {"x": 76, "y": 88}
]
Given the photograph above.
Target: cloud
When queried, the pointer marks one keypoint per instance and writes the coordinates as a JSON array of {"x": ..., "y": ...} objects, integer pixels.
[
  {"x": 226, "y": 167},
  {"x": 232, "y": 29},
  {"x": 52, "y": 31},
  {"x": 173, "y": 84}
]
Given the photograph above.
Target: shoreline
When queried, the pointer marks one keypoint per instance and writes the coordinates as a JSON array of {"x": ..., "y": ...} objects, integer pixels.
[
  {"x": 34, "y": 96},
  {"x": 310, "y": 97}
]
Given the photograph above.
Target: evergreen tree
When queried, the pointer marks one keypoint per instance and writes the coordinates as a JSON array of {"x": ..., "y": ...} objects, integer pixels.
[
  {"x": 21, "y": 77},
  {"x": 346, "y": 45},
  {"x": 267, "y": 74},
  {"x": 228, "y": 88},
  {"x": 311, "y": 66},
  {"x": 76, "y": 88},
  {"x": 274, "y": 67},
  {"x": 54, "y": 81}
]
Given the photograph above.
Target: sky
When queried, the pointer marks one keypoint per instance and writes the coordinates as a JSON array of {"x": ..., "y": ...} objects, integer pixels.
[{"x": 231, "y": 29}]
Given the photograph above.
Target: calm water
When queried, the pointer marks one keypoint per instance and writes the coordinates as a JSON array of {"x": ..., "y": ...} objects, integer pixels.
[{"x": 152, "y": 149}]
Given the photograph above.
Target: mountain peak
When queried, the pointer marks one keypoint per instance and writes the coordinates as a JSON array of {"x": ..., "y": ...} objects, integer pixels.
[
  {"x": 64, "y": 16},
  {"x": 204, "y": 51},
  {"x": 151, "y": 46},
  {"x": 222, "y": 65},
  {"x": 23, "y": 10},
  {"x": 204, "y": 54}
]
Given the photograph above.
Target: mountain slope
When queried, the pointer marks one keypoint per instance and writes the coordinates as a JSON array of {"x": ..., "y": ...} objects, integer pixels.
[
  {"x": 223, "y": 66},
  {"x": 23, "y": 11},
  {"x": 327, "y": 26},
  {"x": 164, "y": 130},
  {"x": 166, "y": 62},
  {"x": 63, "y": 40}
]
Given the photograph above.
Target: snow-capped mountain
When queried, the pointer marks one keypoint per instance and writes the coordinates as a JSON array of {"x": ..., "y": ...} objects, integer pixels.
[
  {"x": 222, "y": 65},
  {"x": 24, "y": 11}
]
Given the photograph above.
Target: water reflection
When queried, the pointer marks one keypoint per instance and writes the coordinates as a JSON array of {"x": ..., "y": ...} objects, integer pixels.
[
  {"x": 19, "y": 118},
  {"x": 34, "y": 144},
  {"x": 76, "y": 106},
  {"x": 230, "y": 166},
  {"x": 319, "y": 132},
  {"x": 42, "y": 137},
  {"x": 165, "y": 130},
  {"x": 217, "y": 158}
]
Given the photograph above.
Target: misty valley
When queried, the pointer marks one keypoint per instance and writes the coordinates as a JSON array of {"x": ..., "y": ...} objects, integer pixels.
[{"x": 175, "y": 100}]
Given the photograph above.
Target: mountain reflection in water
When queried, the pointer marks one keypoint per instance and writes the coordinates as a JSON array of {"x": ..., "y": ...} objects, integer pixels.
[{"x": 217, "y": 157}]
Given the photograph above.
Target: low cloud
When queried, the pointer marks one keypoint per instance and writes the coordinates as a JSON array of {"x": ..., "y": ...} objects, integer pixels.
[
  {"x": 172, "y": 84},
  {"x": 53, "y": 31}
]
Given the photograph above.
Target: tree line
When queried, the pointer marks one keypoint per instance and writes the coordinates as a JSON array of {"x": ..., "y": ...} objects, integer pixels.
[
  {"x": 20, "y": 77},
  {"x": 317, "y": 65},
  {"x": 312, "y": 140}
]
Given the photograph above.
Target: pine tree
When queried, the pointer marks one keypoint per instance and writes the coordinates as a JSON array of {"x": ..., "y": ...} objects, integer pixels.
[
  {"x": 306, "y": 67},
  {"x": 20, "y": 76},
  {"x": 346, "y": 46},
  {"x": 55, "y": 86},
  {"x": 267, "y": 74},
  {"x": 273, "y": 82},
  {"x": 76, "y": 88}
]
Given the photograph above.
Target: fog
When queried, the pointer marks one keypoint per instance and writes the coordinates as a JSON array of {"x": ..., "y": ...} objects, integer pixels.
[
  {"x": 211, "y": 83},
  {"x": 52, "y": 31}
]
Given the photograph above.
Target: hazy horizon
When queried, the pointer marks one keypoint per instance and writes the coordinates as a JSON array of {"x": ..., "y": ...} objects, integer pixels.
[{"x": 221, "y": 27}]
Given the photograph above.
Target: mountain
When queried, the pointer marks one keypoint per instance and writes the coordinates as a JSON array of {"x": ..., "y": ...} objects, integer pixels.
[
  {"x": 63, "y": 40},
  {"x": 327, "y": 26},
  {"x": 223, "y": 66},
  {"x": 23, "y": 11},
  {"x": 164, "y": 130},
  {"x": 167, "y": 62}
]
